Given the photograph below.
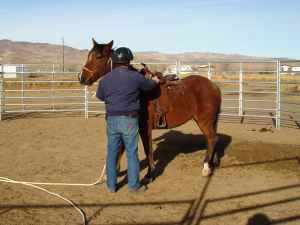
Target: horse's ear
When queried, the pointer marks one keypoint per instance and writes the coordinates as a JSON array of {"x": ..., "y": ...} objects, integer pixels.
[
  {"x": 94, "y": 42},
  {"x": 108, "y": 47},
  {"x": 110, "y": 44}
]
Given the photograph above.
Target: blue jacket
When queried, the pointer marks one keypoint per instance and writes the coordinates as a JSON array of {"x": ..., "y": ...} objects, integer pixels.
[{"x": 120, "y": 89}]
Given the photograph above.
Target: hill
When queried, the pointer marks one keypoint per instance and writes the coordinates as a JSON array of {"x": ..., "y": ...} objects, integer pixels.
[
  {"x": 39, "y": 53},
  {"x": 43, "y": 53}
]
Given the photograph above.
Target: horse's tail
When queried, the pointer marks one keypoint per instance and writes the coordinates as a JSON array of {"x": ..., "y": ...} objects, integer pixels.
[{"x": 218, "y": 111}]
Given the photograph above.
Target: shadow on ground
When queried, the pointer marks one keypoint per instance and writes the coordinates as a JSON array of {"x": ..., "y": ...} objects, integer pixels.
[{"x": 173, "y": 143}]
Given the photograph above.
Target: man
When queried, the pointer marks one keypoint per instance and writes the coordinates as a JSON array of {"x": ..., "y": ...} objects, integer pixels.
[{"x": 120, "y": 89}]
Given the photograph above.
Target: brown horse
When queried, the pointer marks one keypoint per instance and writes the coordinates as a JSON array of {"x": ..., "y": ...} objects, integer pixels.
[{"x": 174, "y": 103}]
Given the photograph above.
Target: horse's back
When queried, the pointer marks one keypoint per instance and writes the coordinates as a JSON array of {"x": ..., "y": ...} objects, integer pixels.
[
  {"x": 202, "y": 87},
  {"x": 207, "y": 95}
]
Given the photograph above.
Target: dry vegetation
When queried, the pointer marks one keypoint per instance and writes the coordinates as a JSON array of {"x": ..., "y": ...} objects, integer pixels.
[{"x": 290, "y": 83}]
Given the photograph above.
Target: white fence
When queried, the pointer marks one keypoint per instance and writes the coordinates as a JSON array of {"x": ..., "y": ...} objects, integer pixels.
[{"x": 250, "y": 90}]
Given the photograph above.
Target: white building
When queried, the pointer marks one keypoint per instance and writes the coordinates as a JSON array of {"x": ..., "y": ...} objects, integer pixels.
[
  {"x": 11, "y": 70},
  {"x": 285, "y": 68},
  {"x": 178, "y": 69},
  {"x": 293, "y": 70}
]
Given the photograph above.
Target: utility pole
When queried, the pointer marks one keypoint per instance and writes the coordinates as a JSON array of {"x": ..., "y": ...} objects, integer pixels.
[{"x": 63, "y": 54}]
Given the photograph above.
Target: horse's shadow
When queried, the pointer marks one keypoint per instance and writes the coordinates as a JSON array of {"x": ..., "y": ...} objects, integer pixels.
[{"x": 173, "y": 143}]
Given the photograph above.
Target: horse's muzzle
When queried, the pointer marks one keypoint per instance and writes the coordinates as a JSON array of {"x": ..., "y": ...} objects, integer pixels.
[{"x": 80, "y": 78}]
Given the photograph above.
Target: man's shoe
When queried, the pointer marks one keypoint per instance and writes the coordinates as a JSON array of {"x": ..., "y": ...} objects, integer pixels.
[{"x": 111, "y": 190}]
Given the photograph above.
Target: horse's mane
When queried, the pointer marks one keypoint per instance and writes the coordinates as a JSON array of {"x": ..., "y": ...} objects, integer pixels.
[{"x": 146, "y": 71}]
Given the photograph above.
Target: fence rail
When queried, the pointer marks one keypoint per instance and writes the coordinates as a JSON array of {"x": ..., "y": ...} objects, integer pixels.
[{"x": 248, "y": 92}]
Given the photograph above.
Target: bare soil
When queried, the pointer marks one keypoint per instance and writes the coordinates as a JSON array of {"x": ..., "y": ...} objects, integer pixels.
[{"x": 258, "y": 182}]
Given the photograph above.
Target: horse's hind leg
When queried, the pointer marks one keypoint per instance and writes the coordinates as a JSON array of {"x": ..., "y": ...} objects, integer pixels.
[
  {"x": 211, "y": 143},
  {"x": 210, "y": 133}
]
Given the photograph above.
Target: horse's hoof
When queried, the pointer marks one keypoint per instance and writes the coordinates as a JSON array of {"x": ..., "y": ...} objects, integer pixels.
[
  {"x": 148, "y": 178},
  {"x": 216, "y": 161},
  {"x": 206, "y": 171}
]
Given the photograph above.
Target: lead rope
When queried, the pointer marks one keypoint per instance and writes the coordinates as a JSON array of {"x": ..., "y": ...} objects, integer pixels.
[{"x": 34, "y": 185}]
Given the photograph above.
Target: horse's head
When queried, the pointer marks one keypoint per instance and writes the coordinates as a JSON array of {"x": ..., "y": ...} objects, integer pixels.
[{"x": 97, "y": 64}]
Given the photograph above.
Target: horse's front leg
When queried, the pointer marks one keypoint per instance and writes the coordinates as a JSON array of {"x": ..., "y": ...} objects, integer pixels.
[
  {"x": 120, "y": 154},
  {"x": 146, "y": 136}
]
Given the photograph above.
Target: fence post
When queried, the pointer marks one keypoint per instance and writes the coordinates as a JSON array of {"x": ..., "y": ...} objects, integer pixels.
[
  {"x": 1, "y": 91},
  {"x": 241, "y": 113},
  {"x": 86, "y": 102},
  {"x": 177, "y": 67},
  {"x": 278, "y": 92},
  {"x": 22, "y": 87},
  {"x": 52, "y": 89},
  {"x": 209, "y": 72}
]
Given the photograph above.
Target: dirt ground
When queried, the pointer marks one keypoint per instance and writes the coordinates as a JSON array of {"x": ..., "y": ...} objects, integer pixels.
[{"x": 258, "y": 182}]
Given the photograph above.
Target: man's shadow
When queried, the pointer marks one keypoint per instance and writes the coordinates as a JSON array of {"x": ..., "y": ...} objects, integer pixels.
[
  {"x": 259, "y": 219},
  {"x": 173, "y": 143}
]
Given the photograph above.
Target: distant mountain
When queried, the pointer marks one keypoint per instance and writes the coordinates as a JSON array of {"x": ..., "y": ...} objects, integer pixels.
[
  {"x": 193, "y": 56},
  {"x": 44, "y": 53},
  {"x": 40, "y": 53}
]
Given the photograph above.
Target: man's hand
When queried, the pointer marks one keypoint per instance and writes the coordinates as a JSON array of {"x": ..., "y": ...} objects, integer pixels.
[{"x": 155, "y": 79}]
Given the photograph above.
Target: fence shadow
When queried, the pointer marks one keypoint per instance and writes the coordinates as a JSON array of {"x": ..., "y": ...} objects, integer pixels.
[
  {"x": 194, "y": 213},
  {"x": 254, "y": 220},
  {"x": 30, "y": 115},
  {"x": 270, "y": 161}
]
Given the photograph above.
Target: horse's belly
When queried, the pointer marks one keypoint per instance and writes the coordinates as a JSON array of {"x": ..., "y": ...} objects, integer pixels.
[{"x": 180, "y": 112}]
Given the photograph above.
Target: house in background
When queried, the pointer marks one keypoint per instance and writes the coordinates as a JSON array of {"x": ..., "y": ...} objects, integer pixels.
[
  {"x": 12, "y": 70},
  {"x": 285, "y": 68},
  {"x": 178, "y": 69},
  {"x": 204, "y": 67},
  {"x": 293, "y": 70}
]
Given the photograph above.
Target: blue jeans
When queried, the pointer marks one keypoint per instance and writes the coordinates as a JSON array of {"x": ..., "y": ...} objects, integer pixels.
[{"x": 122, "y": 129}]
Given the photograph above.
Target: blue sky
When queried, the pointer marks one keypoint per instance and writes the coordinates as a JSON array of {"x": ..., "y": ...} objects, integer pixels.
[{"x": 251, "y": 27}]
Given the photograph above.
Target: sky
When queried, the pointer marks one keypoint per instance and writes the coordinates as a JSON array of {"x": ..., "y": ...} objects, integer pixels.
[{"x": 264, "y": 28}]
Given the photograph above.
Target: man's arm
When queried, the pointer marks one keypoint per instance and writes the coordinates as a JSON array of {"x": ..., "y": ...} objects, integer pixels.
[
  {"x": 147, "y": 84},
  {"x": 100, "y": 92}
]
